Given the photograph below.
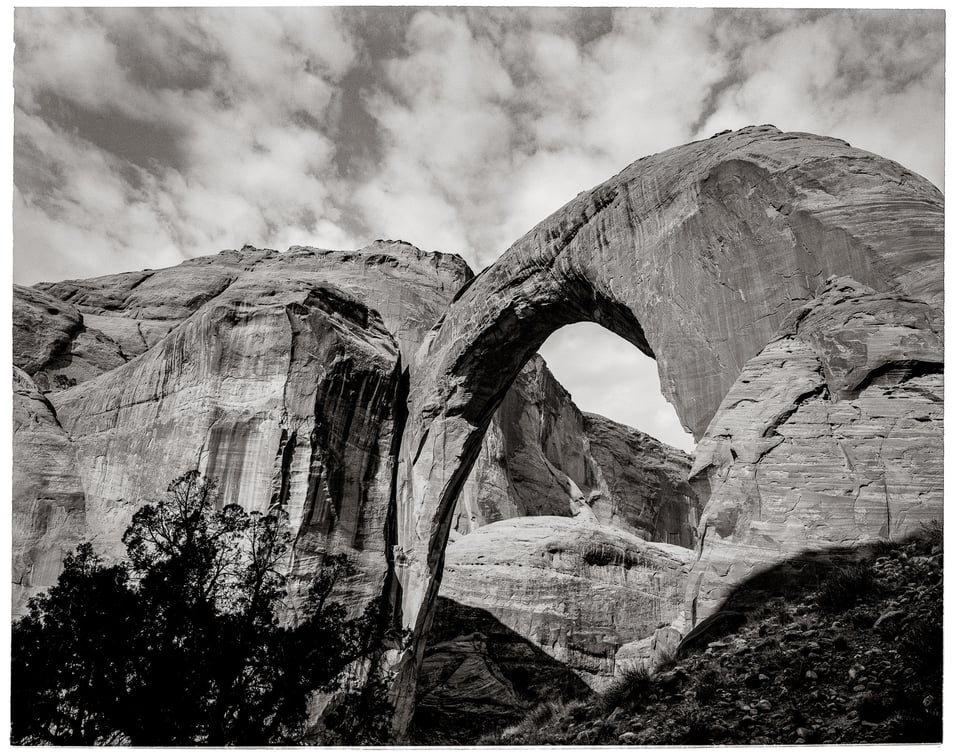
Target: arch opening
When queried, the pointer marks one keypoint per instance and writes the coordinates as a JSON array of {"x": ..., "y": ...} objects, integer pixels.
[
  {"x": 567, "y": 548},
  {"x": 606, "y": 376},
  {"x": 545, "y": 453}
]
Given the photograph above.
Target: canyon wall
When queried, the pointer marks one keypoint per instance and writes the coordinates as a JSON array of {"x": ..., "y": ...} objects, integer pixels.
[
  {"x": 697, "y": 256},
  {"x": 789, "y": 286}
]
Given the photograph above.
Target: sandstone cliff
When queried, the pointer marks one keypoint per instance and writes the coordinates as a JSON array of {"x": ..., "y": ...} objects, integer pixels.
[
  {"x": 696, "y": 255},
  {"x": 272, "y": 372},
  {"x": 268, "y": 371},
  {"x": 790, "y": 287},
  {"x": 832, "y": 436}
]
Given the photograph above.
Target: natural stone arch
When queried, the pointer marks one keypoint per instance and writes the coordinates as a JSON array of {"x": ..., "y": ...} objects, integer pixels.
[{"x": 695, "y": 255}]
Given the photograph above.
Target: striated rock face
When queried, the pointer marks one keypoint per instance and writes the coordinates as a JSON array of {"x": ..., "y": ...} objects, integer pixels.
[
  {"x": 831, "y": 437},
  {"x": 410, "y": 288},
  {"x": 571, "y": 588},
  {"x": 47, "y": 497},
  {"x": 230, "y": 414},
  {"x": 280, "y": 389},
  {"x": 695, "y": 255},
  {"x": 53, "y": 344},
  {"x": 542, "y": 456},
  {"x": 645, "y": 481},
  {"x": 250, "y": 365}
]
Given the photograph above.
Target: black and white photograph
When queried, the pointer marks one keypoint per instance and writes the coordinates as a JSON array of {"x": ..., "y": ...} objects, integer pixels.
[{"x": 476, "y": 376}]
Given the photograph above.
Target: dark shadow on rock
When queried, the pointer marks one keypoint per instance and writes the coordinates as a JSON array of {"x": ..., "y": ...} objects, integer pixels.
[
  {"x": 788, "y": 580},
  {"x": 479, "y": 675}
]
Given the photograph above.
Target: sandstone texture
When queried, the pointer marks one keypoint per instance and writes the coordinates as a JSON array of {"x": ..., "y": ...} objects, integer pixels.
[
  {"x": 695, "y": 255},
  {"x": 281, "y": 390},
  {"x": 527, "y": 602},
  {"x": 205, "y": 364},
  {"x": 645, "y": 488},
  {"x": 48, "y": 503},
  {"x": 831, "y": 437},
  {"x": 577, "y": 589},
  {"x": 268, "y": 371},
  {"x": 854, "y": 657}
]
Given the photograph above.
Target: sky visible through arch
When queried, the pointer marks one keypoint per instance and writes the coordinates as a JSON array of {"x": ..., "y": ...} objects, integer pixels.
[{"x": 143, "y": 137}]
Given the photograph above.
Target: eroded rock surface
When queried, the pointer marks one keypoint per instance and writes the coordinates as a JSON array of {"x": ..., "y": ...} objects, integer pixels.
[
  {"x": 272, "y": 372},
  {"x": 48, "y": 518},
  {"x": 280, "y": 389},
  {"x": 194, "y": 367},
  {"x": 577, "y": 589},
  {"x": 831, "y": 437},
  {"x": 645, "y": 488},
  {"x": 695, "y": 255}
]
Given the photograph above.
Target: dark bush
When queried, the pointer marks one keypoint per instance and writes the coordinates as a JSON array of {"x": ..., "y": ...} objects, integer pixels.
[
  {"x": 630, "y": 690},
  {"x": 183, "y": 644},
  {"x": 844, "y": 587}
]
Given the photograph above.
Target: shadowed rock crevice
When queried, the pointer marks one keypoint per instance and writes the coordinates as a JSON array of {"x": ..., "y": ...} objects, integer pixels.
[{"x": 478, "y": 674}]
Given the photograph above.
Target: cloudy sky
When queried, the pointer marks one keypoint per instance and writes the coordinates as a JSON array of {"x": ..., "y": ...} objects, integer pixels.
[{"x": 143, "y": 137}]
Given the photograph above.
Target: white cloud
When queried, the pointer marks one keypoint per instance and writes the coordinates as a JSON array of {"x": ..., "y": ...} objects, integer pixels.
[
  {"x": 873, "y": 79},
  {"x": 608, "y": 376},
  {"x": 246, "y": 168},
  {"x": 146, "y": 135}
]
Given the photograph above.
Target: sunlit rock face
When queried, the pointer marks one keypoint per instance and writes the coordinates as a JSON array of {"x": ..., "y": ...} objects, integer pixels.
[
  {"x": 271, "y": 372},
  {"x": 644, "y": 486},
  {"x": 831, "y": 437},
  {"x": 576, "y": 589},
  {"x": 281, "y": 390},
  {"x": 408, "y": 287},
  {"x": 542, "y": 456},
  {"x": 48, "y": 516}
]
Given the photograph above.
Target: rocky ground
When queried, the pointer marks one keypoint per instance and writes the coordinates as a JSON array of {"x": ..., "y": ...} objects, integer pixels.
[{"x": 856, "y": 660}]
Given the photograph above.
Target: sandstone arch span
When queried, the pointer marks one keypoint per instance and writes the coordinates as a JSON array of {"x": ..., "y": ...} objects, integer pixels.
[{"x": 696, "y": 256}]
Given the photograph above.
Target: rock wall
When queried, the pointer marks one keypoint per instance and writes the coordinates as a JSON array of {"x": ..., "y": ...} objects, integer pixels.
[
  {"x": 107, "y": 335},
  {"x": 831, "y": 437},
  {"x": 695, "y": 255},
  {"x": 577, "y": 589},
  {"x": 644, "y": 484},
  {"x": 48, "y": 515},
  {"x": 533, "y": 606},
  {"x": 281, "y": 390},
  {"x": 268, "y": 371}
]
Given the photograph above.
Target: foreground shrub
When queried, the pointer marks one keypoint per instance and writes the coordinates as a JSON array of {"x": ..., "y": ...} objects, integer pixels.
[
  {"x": 844, "y": 587},
  {"x": 182, "y": 644},
  {"x": 630, "y": 690}
]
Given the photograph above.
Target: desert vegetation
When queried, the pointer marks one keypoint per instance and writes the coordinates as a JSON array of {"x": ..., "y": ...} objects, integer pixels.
[{"x": 182, "y": 643}]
